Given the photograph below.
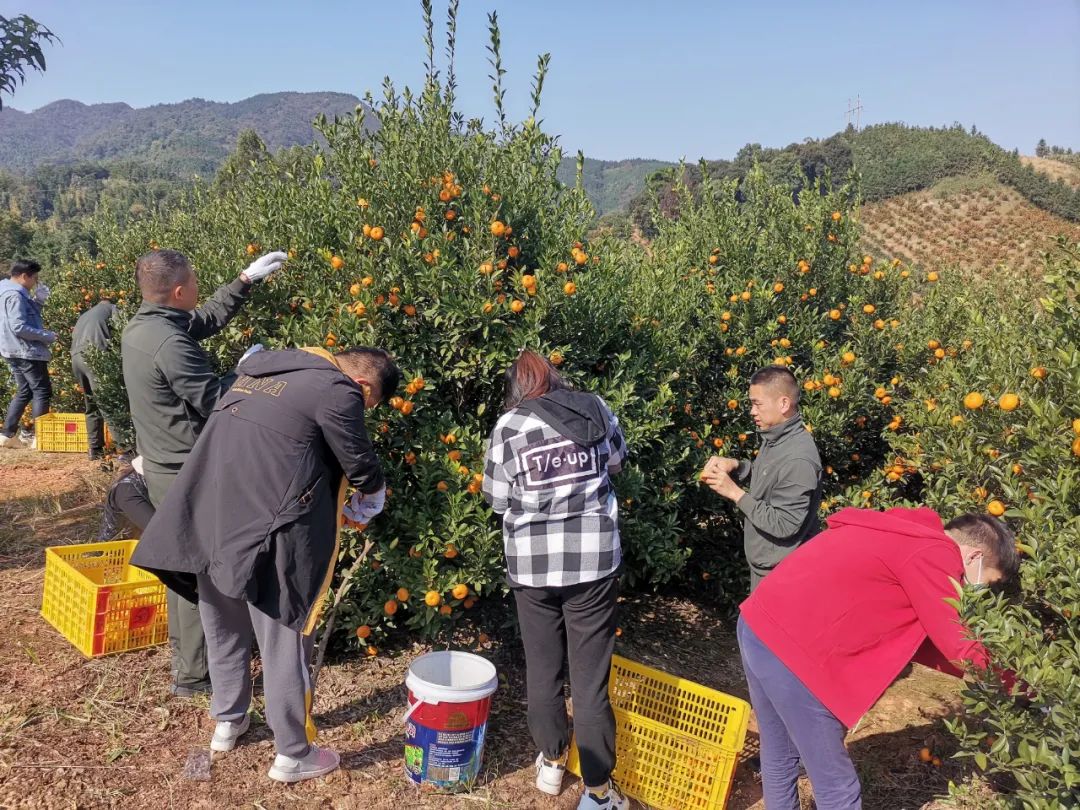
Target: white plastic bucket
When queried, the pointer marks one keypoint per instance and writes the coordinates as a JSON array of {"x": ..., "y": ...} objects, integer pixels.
[{"x": 446, "y": 723}]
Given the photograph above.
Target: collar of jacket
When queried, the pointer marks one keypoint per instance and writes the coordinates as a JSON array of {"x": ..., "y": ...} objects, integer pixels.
[
  {"x": 180, "y": 317},
  {"x": 775, "y": 434},
  {"x": 324, "y": 354}
]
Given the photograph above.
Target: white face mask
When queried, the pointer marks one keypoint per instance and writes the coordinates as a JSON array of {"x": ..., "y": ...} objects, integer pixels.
[{"x": 978, "y": 576}]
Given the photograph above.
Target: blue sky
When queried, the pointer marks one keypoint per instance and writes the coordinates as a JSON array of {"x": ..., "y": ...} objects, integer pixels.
[{"x": 628, "y": 78}]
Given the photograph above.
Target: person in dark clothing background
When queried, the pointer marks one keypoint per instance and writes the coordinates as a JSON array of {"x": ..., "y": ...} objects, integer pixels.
[
  {"x": 172, "y": 389},
  {"x": 254, "y": 517},
  {"x": 127, "y": 506},
  {"x": 781, "y": 509},
  {"x": 548, "y": 473},
  {"x": 93, "y": 328}
]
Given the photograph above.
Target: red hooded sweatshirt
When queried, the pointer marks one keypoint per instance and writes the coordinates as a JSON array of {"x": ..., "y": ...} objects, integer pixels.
[{"x": 847, "y": 611}]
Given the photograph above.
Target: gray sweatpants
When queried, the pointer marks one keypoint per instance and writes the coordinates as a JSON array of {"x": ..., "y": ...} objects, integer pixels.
[{"x": 229, "y": 625}]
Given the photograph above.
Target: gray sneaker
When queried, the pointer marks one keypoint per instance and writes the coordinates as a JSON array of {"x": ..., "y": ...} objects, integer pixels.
[
  {"x": 11, "y": 442},
  {"x": 318, "y": 762},
  {"x": 28, "y": 438}
]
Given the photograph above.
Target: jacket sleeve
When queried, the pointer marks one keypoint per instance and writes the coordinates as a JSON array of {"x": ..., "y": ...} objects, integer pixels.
[
  {"x": 211, "y": 317},
  {"x": 925, "y": 578},
  {"x": 189, "y": 375},
  {"x": 497, "y": 481},
  {"x": 341, "y": 420},
  {"x": 789, "y": 504},
  {"x": 617, "y": 440},
  {"x": 742, "y": 472},
  {"x": 16, "y": 318}
]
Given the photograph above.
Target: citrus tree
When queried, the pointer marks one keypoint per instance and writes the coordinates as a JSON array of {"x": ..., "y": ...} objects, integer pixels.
[{"x": 990, "y": 422}]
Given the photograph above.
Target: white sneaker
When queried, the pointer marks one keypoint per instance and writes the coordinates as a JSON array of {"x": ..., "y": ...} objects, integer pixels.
[
  {"x": 11, "y": 442},
  {"x": 613, "y": 800},
  {"x": 549, "y": 775},
  {"x": 226, "y": 734},
  {"x": 29, "y": 439},
  {"x": 318, "y": 762}
]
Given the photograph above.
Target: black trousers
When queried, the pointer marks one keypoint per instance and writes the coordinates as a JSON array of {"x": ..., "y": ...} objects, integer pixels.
[
  {"x": 579, "y": 622},
  {"x": 95, "y": 423},
  {"x": 32, "y": 384}
]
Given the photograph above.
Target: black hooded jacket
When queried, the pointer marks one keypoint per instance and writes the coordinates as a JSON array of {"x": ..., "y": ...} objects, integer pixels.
[{"x": 256, "y": 505}]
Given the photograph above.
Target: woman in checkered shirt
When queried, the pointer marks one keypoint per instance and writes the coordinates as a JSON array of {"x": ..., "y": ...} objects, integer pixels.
[{"x": 548, "y": 473}]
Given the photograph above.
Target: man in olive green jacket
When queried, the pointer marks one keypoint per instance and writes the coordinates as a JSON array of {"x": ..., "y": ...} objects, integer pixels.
[
  {"x": 172, "y": 389},
  {"x": 781, "y": 508}
]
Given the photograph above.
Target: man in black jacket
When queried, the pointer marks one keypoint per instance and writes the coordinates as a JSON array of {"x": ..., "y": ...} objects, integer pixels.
[
  {"x": 254, "y": 518},
  {"x": 93, "y": 328},
  {"x": 172, "y": 388}
]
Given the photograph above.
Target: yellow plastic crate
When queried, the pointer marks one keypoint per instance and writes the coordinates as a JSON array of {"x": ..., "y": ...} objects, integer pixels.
[
  {"x": 676, "y": 742},
  {"x": 62, "y": 433},
  {"x": 99, "y": 602}
]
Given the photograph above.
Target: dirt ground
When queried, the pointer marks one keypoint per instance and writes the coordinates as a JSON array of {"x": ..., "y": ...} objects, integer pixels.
[{"x": 106, "y": 733}]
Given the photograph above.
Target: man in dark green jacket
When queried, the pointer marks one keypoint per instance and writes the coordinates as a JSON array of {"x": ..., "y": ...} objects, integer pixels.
[
  {"x": 93, "y": 328},
  {"x": 781, "y": 508},
  {"x": 172, "y": 389}
]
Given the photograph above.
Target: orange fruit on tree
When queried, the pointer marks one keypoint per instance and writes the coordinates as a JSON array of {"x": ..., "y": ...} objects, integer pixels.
[
  {"x": 1039, "y": 373},
  {"x": 367, "y": 281},
  {"x": 869, "y": 309},
  {"x": 409, "y": 310},
  {"x": 337, "y": 262},
  {"x": 517, "y": 305},
  {"x": 449, "y": 438},
  {"x": 974, "y": 401},
  {"x": 406, "y": 408},
  {"x": 1008, "y": 402},
  {"x": 778, "y": 287},
  {"x": 442, "y": 486},
  {"x": 556, "y": 358},
  {"x": 432, "y": 599},
  {"x": 460, "y": 591},
  {"x": 570, "y": 288},
  {"x": 445, "y": 610},
  {"x": 403, "y": 594},
  {"x": 451, "y": 551},
  {"x": 391, "y": 607},
  {"x": 354, "y": 290},
  {"x": 848, "y": 358},
  {"x": 513, "y": 252},
  {"x": 498, "y": 228},
  {"x": 834, "y": 392},
  {"x": 836, "y": 216},
  {"x": 331, "y": 340},
  {"x": 396, "y": 403},
  {"x": 1076, "y": 426},
  {"x": 834, "y": 314},
  {"x": 733, "y": 404},
  {"x": 996, "y": 508},
  {"x": 528, "y": 282},
  {"x": 377, "y": 233},
  {"x": 1076, "y": 447},
  {"x": 363, "y": 631}
]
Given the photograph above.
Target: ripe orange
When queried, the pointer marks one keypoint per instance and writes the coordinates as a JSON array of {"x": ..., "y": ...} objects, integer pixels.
[
  {"x": 1076, "y": 426},
  {"x": 848, "y": 358},
  {"x": 442, "y": 486},
  {"x": 1076, "y": 448},
  {"x": 570, "y": 288},
  {"x": 926, "y": 755},
  {"x": 869, "y": 309},
  {"x": 390, "y": 608},
  {"x": 451, "y": 551},
  {"x": 406, "y": 408},
  {"x": 733, "y": 404},
  {"x": 331, "y": 340},
  {"x": 251, "y": 250},
  {"x": 974, "y": 401},
  {"x": 834, "y": 392},
  {"x": 460, "y": 591},
  {"x": 372, "y": 651},
  {"x": 468, "y": 603},
  {"x": 517, "y": 306},
  {"x": 834, "y": 314},
  {"x": 1008, "y": 402},
  {"x": 836, "y": 216},
  {"x": 367, "y": 281},
  {"x": 556, "y": 358},
  {"x": 513, "y": 251},
  {"x": 396, "y": 403},
  {"x": 778, "y": 287},
  {"x": 409, "y": 310},
  {"x": 337, "y": 262},
  {"x": 432, "y": 599},
  {"x": 377, "y": 233},
  {"x": 363, "y": 631},
  {"x": 937, "y": 762},
  {"x": 528, "y": 282},
  {"x": 1039, "y": 373},
  {"x": 996, "y": 508},
  {"x": 932, "y": 276},
  {"x": 354, "y": 290},
  {"x": 498, "y": 228},
  {"x": 445, "y": 610}
]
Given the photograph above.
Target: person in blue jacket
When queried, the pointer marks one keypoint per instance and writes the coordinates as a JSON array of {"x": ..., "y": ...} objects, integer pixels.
[{"x": 24, "y": 344}]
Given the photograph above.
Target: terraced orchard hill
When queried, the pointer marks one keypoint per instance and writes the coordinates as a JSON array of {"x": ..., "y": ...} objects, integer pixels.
[{"x": 973, "y": 223}]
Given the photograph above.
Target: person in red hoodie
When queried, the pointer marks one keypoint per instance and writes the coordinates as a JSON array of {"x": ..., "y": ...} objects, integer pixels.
[{"x": 835, "y": 623}]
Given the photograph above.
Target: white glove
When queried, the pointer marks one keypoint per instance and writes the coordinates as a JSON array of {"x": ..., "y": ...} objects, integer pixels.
[
  {"x": 363, "y": 508},
  {"x": 265, "y": 265},
  {"x": 258, "y": 347},
  {"x": 41, "y": 293}
]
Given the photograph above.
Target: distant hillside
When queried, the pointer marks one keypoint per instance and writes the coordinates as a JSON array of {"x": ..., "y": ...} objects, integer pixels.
[
  {"x": 192, "y": 137},
  {"x": 892, "y": 159},
  {"x": 972, "y": 223},
  {"x": 611, "y": 184}
]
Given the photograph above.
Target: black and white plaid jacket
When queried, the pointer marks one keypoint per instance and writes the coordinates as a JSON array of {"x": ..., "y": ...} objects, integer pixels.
[{"x": 560, "y": 513}]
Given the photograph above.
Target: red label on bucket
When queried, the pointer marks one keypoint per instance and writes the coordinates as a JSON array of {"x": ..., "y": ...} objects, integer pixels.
[{"x": 444, "y": 742}]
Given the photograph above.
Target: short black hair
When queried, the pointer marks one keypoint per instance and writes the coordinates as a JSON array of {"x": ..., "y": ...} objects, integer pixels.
[
  {"x": 779, "y": 377},
  {"x": 159, "y": 272},
  {"x": 993, "y": 536},
  {"x": 378, "y": 363},
  {"x": 24, "y": 267}
]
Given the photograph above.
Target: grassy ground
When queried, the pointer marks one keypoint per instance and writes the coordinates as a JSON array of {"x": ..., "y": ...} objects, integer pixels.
[{"x": 106, "y": 733}]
